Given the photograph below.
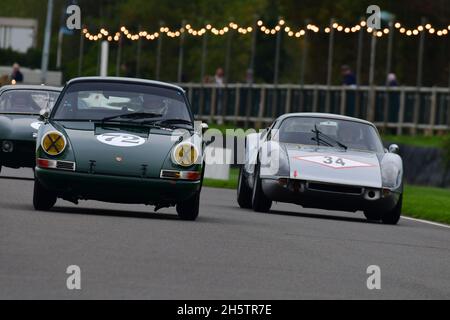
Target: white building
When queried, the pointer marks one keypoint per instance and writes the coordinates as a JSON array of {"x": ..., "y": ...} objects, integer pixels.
[{"x": 18, "y": 34}]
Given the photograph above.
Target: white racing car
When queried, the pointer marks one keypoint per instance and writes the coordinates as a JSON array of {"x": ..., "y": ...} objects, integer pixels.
[{"x": 322, "y": 161}]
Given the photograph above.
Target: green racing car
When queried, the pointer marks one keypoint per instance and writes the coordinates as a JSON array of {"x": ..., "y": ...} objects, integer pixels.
[
  {"x": 120, "y": 140},
  {"x": 20, "y": 107}
]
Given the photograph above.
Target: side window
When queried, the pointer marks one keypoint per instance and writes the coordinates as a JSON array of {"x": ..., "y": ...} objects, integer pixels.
[
  {"x": 2, "y": 104},
  {"x": 5, "y": 102}
]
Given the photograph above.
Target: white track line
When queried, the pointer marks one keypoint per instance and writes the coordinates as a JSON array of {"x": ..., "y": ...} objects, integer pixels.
[{"x": 427, "y": 222}]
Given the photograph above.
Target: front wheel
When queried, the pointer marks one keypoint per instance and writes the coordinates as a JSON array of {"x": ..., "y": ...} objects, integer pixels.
[
  {"x": 43, "y": 199},
  {"x": 188, "y": 210},
  {"x": 392, "y": 217},
  {"x": 244, "y": 193},
  {"x": 260, "y": 202},
  {"x": 372, "y": 216}
]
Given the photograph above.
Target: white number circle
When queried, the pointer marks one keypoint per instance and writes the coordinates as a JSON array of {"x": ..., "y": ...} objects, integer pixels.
[
  {"x": 121, "y": 139},
  {"x": 36, "y": 125}
]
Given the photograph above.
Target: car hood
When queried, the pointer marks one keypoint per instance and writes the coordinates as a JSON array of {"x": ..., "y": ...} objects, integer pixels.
[
  {"x": 118, "y": 150},
  {"x": 330, "y": 165},
  {"x": 19, "y": 127}
]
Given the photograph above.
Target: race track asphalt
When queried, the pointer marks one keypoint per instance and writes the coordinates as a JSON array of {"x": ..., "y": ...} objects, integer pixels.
[{"x": 128, "y": 252}]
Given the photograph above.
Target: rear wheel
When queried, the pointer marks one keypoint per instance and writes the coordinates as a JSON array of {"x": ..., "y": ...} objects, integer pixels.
[
  {"x": 188, "y": 210},
  {"x": 260, "y": 202},
  {"x": 43, "y": 199},
  {"x": 392, "y": 217},
  {"x": 244, "y": 193}
]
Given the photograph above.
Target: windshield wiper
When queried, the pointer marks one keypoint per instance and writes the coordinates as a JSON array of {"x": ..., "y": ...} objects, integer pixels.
[
  {"x": 320, "y": 140},
  {"x": 168, "y": 123},
  {"x": 133, "y": 116},
  {"x": 320, "y": 134},
  {"x": 175, "y": 121}
]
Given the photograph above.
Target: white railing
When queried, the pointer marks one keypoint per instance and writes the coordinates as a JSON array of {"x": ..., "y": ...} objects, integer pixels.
[{"x": 399, "y": 109}]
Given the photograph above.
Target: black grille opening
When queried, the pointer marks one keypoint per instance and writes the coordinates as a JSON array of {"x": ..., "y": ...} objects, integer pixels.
[
  {"x": 24, "y": 147},
  {"x": 335, "y": 188},
  {"x": 170, "y": 174},
  {"x": 64, "y": 165}
]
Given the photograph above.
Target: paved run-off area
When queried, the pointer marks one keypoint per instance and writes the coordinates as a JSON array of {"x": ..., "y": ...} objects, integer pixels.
[{"x": 292, "y": 253}]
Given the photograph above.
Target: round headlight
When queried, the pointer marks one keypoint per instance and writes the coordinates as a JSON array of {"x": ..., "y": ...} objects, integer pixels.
[
  {"x": 7, "y": 146},
  {"x": 185, "y": 154},
  {"x": 53, "y": 143}
]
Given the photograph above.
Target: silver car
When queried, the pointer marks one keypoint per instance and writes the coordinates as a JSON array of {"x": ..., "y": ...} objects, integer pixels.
[{"x": 322, "y": 161}]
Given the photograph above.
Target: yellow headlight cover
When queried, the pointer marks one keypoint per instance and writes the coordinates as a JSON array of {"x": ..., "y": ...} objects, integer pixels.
[
  {"x": 53, "y": 143},
  {"x": 185, "y": 154}
]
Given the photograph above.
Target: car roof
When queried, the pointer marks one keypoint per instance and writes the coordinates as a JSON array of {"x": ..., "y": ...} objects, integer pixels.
[
  {"x": 324, "y": 115},
  {"x": 127, "y": 80},
  {"x": 30, "y": 87}
]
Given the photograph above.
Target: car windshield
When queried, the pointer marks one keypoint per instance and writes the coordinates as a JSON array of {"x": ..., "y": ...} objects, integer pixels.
[
  {"x": 330, "y": 133},
  {"x": 27, "y": 101},
  {"x": 108, "y": 101}
]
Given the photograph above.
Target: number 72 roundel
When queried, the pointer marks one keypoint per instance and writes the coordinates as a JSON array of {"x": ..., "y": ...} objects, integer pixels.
[
  {"x": 121, "y": 139},
  {"x": 334, "y": 162}
]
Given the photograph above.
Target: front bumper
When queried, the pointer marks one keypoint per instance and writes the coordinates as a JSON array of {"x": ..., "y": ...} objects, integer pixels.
[
  {"x": 117, "y": 189},
  {"x": 334, "y": 197}
]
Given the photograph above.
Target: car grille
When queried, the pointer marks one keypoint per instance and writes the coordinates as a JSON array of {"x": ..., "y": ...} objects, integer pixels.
[
  {"x": 336, "y": 188},
  {"x": 65, "y": 165},
  {"x": 22, "y": 147},
  {"x": 170, "y": 174}
]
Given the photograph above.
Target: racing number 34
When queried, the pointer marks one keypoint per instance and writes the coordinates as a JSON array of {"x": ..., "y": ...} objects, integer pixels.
[{"x": 332, "y": 160}]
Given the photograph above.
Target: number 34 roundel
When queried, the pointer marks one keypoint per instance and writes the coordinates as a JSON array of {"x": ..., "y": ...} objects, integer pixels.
[
  {"x": 121, "y": 139},
  {"x": 334, "y": 162}
]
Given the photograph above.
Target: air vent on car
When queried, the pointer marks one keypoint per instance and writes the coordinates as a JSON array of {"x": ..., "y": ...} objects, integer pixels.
[
  {"x": 334, "y": 188},
  {"x": 65, "y": 165}
]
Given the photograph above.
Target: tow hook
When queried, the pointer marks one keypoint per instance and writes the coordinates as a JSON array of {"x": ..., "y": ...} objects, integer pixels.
[
  {"x": 92, "y": 166},
  {"x": 144, "y": 170}
]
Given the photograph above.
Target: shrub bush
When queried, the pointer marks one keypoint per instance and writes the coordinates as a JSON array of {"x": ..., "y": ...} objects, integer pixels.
[{"x": 446, "y": 150}]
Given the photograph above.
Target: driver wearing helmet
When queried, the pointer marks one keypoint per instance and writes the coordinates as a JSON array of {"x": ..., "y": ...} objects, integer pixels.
[
  {"x": 351, "y": 136},
  {"x": 22, "y": 102},
  {"x": 153, "y": 104}
]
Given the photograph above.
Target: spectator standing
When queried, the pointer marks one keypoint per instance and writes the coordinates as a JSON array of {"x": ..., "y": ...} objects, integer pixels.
[
  {"x": 393, "y": 98},
  {"x": 348, "y": 77},
  {"x": 219, "y": 79},
  {"x": 392, "y": 80},
  {"x": 16, "y": 75}
]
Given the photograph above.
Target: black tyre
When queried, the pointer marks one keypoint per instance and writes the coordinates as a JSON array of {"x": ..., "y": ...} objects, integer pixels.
[
  {"x": 188, "y": 210},
  {"x": 260, "y": 202},
  {"x": 43, "y": 199},
  {"x": 244, "y": 193},
  {"x": 372, "y": 216},
  {"x": 393, "y": 216}
]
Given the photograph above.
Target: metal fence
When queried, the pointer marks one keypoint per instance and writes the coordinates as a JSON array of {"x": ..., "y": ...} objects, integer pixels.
[{"x": 400, "y": 109}]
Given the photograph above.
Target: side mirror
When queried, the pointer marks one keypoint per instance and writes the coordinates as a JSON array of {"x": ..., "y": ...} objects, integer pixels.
[
  {"x": 44, "y": 114},
  {"x": 213, "y": 139},
  {"x": 393, "y": 148},
  {"x": 204, "y": 126}
]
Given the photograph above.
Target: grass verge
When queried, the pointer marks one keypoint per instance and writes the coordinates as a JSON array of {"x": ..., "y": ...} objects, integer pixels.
[
  {"x": 417, "y": 141},
  {"x": 224, "y": 184},
  {"x": 426, "y": 203}
]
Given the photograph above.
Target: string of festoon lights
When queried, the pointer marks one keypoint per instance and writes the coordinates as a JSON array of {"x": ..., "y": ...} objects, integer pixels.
[{"x": 281, "y": 26}]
